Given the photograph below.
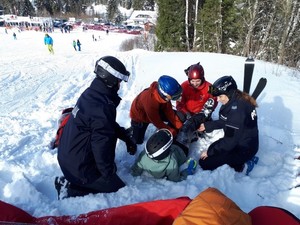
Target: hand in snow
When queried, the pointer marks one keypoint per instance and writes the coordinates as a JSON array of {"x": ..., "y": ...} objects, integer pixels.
[{"x": 203, "y": 155}]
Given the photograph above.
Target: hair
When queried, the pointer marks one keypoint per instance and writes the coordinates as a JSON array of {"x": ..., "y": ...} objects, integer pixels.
[{"x": 243, "y": 95}]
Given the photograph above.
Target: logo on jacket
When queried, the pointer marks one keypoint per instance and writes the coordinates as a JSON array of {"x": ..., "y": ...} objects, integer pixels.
[
  {"x": 75, "y": 111},
  {"x": 253, "y": 114},
  {"x": 222, "y": 117}
]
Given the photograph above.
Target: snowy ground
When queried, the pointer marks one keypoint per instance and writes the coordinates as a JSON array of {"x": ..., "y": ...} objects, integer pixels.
[{"x": 35, "y": 86}]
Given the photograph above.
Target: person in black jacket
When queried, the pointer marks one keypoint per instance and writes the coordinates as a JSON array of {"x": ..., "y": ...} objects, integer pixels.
[
  {"x": 86, "y": 151},
  {"x": 238, "y": 119}
]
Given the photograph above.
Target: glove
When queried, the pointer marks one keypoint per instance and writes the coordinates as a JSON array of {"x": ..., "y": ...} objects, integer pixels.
[
  {"x": 130, "y": 142},
  {"x": 188, "y": 115},
  {"x": 192, "y": 164},
  {"x": 126, "y": 136},
  {"x": 131, "y": 147}
]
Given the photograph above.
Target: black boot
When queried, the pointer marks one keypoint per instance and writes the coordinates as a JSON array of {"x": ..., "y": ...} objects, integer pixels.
[{"x": 61, "y": 185}]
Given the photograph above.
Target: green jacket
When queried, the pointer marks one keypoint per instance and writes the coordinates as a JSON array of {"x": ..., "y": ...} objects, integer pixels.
[{"x": 168, "y": 167}]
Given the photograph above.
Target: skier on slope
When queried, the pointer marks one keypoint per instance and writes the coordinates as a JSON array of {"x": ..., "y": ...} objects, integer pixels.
[
  {"x": 49, "y": 42},
  {"x": 238, "y": 119}
]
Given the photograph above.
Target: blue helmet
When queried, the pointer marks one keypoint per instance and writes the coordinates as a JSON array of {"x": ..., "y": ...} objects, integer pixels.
[{"x": 169, "y": 88}]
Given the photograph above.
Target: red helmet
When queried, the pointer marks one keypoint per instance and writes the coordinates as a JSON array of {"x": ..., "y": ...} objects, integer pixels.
[{"x": 196, "y": 71}]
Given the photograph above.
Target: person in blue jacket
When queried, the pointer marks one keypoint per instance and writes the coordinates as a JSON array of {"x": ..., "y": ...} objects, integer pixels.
[
  {"x": 238, "y": 119},
  {"x": 86, "y": 151},
  {"x": 49, "y": 42}
]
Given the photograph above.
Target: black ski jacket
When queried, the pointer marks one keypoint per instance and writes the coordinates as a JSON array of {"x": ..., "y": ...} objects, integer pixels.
[
  {"x": 87, "y": 146},
  {"x": 238, "y": 119}
]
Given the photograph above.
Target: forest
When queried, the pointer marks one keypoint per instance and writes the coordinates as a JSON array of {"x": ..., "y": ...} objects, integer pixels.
[{"x": 265, "y": 29}]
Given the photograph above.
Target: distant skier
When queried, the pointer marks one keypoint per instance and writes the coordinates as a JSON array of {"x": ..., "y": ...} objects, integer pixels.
[
  {"x": 15, "y": 36},
  {"x": 78, "y": 45},
  {"x": 49, "y": 42},
  {"x": 74, "y": 45}
]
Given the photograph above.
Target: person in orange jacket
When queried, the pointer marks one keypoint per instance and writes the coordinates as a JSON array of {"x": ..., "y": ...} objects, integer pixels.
[
  {"x": 194, "y": 92},
  {"x": 153, "y": 105}
]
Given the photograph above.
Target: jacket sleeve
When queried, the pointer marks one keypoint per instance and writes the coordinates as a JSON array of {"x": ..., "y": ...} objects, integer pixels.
[
  {"x": 137, "y": 168},
  {"x": 103, "y": 140},
  {"x": 233, "y": 131},
  {"x": 173, "y": 172},
  {"x": 213, "y": 125},
  {"x": 153, "y": 113},
  {"x": 180, "y": 105}
]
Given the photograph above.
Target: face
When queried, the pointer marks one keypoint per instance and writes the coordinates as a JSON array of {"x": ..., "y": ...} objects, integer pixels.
[
  {"x": 195, "y": 82},
  {"x": 223, "y": 99}
]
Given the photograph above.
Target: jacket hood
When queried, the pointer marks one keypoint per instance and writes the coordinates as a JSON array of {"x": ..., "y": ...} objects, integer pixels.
[{"x": 154, "y": 91}]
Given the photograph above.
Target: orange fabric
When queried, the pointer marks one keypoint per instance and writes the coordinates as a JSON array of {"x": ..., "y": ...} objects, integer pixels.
[
  {"x": 211, "y": 207},
  {"x": 267, "y": 215},
  {"x": 148, "y": 107},
  {"x": 193, "y": 99}
]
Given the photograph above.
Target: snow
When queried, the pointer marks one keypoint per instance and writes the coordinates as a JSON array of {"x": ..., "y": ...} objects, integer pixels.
[{"x": 36, "y": 86}]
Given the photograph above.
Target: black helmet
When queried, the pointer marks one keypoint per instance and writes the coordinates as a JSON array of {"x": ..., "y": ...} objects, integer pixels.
[
  {"x": 225, "y": 85},
  {"x": 111, "y": 70},
  {"x": 169, "y": 88},
  {"x": 157, "y": 146}
]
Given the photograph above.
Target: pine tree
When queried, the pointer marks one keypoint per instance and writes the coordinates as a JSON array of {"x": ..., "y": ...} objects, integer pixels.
[
  {"x": 112, "y": 9},
  {"x": 170, "y": 29}
]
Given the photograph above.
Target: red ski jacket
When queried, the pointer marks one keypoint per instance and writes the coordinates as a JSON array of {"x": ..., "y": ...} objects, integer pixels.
[
  {"x": 193, "y": 99},
  {"x": 149, "y": 107}
]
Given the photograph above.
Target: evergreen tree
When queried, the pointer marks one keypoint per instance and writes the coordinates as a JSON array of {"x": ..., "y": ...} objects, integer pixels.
[
  {"x": 26, "y": 8},
  {"x": 209, "y": 29},
  {"x": 170, "y": 29},
  {"x": 219, "y": 27},
  {"x": 112, "y": 9}
]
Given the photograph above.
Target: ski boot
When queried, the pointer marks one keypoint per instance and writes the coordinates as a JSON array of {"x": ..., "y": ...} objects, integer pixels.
[
  {"x": 192, "y": 164},
  {"x": 61, "y": 185},
  {"x": 250, "y": 164}
]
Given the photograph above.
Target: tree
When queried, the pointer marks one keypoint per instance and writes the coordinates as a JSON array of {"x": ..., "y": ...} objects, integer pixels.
[
  {"x": 170, "y": 29},
  {"x": 112, "y": 9}
]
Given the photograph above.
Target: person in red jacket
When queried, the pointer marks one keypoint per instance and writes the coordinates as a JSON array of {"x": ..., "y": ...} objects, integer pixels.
[
  {"x": 153, "y": 105},
  {"x": 194, "y": 92}
]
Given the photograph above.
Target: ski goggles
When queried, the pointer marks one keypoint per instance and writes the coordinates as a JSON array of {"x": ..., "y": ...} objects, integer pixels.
[{"x": 176, "y": 96}]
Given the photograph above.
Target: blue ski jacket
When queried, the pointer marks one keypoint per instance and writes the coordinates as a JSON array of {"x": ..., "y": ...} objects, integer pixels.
[{"x": 48, "y": 40}]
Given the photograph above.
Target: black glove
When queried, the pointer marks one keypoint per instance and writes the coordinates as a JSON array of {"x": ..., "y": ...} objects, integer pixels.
[
  {"x": 126, "y": 136},
  {"x": 130, "y": 142},
  {"x": 131, "y": 146},
  {"x": 187, "y": 116}
]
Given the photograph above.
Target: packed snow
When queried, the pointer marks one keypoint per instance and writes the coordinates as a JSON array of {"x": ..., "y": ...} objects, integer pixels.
[{"x": 36, "y": 86}]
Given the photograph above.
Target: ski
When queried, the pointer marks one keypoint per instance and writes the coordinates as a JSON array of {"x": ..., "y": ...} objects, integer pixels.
[
  {"x": 259, "y": 87},
  {"x": 248, "y": 73}
]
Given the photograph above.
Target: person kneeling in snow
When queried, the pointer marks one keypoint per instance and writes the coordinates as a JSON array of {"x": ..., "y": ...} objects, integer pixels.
[
  {"x": 238, "y": 119},
  {"x": 86, "y": 151},
  {"x": 163, "y": 158}
]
